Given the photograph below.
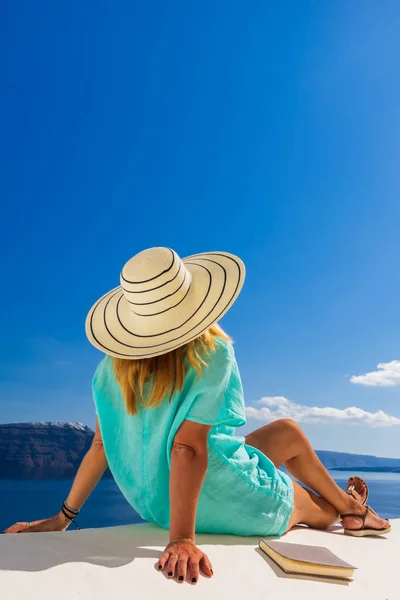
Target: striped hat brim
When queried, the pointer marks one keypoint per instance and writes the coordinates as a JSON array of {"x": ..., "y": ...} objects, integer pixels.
[{"x": 121, "y": 330}]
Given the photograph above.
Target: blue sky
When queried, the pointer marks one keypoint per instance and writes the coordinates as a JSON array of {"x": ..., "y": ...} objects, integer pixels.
[{"x": 270, "y": 131}]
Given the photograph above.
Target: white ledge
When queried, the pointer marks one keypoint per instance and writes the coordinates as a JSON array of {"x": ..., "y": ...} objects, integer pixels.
[{"x": 118, "y": 562}]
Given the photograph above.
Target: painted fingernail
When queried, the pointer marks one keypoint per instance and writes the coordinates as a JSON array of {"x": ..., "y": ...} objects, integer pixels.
[
  {"x": 160, "y": 567},
  {"x": 194, "y": 580},
  {"x": 180, "y": 577},
  {"x": 170, "y": 574}
]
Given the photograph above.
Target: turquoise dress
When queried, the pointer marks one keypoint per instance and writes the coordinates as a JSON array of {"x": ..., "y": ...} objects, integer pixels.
[{"x": 243, "y": 492}]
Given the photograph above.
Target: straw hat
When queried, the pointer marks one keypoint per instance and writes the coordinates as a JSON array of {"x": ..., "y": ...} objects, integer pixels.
[{"x": 164, "y": 302}]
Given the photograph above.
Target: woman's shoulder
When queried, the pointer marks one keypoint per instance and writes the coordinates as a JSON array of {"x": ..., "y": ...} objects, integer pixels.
[
  {"x": 219, "y": 361},
  {"x": 223, "y": 349}
]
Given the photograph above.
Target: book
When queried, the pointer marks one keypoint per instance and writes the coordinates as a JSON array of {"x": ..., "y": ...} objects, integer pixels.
[{"x": 307, "y": 560}]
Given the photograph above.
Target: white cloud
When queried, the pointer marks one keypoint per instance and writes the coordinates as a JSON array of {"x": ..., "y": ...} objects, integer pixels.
[
  {"x": 388, "y": 374},
  {"x": 278, "y": 407}
]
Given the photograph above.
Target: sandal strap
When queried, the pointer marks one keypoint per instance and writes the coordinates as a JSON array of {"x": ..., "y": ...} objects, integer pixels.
[
  {"x": 372, "y": 510},
  {"x": 354, "y": 516}
]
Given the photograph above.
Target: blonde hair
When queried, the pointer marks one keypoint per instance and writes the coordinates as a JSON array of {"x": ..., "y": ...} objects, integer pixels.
[{"x": 167, "y": 371}]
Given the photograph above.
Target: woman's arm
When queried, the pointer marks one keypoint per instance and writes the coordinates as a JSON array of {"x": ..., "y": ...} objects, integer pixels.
[
  {"x": 189, "y": 460},
  {"x": 89, "y": 474}
]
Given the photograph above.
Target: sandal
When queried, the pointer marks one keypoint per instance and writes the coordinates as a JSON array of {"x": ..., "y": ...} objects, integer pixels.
[
  {"x": 352, "y": 488},
  {"x": 362, "y": 531}
]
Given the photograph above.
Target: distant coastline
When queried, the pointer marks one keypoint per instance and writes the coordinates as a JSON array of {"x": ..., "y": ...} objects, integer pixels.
[
  {"x": 54, "y": 450},
  {"x": 368, "y": 469}
]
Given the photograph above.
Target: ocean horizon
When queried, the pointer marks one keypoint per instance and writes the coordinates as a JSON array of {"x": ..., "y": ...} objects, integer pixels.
[{"x": 30, "y": 500}]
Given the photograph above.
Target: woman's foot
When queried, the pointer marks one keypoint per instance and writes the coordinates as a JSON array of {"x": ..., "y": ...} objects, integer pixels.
[
  {"x": 357, "y": 512},
  {"x": 357, "y": 488}
]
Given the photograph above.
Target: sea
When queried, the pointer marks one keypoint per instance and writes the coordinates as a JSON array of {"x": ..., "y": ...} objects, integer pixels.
[{"x": 31, "y": 500}]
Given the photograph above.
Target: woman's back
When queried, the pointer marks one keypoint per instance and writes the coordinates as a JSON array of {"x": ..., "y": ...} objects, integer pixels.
[
  {"x": 138, "y": 447},
  {"x": 213, "y": 398}
]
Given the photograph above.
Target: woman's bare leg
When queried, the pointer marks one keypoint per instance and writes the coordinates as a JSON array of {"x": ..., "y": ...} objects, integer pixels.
[
  {"x": 285, "y": 443},
  {"x": 312, "y": 510}
]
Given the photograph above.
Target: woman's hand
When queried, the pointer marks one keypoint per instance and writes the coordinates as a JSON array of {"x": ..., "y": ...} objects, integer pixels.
[
  {"x": 56, "y": 523},
  {"x": 184, "y": 560}
]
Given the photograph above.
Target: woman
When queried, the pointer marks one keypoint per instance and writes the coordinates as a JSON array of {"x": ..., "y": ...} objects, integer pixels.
[{"x": 168, "y": 397}]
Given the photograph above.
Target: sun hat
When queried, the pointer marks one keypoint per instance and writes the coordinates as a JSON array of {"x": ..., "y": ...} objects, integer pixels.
[{"x": 164, "y": 302}]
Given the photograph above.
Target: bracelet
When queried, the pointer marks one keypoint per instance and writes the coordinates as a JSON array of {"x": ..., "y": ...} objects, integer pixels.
[
  {"x": 177, "y": 540},
  {"x": 65, "y": 509},
  {"x": 69, "y": 509}
]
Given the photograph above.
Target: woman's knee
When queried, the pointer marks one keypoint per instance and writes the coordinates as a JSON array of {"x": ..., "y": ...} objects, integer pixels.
[
  {"x": 290, "y": 431},
  {"x": 290, "y": 425},
  {"x": 285, "y": 432}
]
